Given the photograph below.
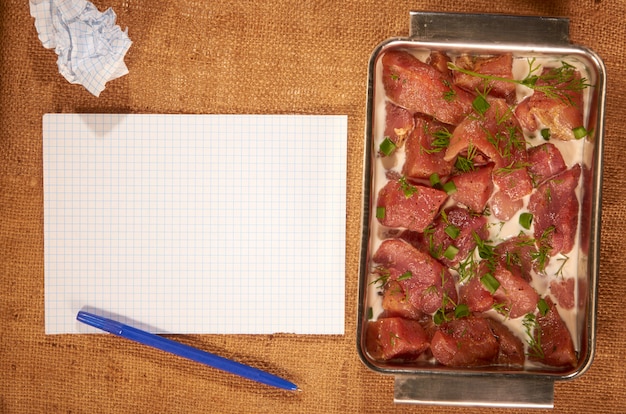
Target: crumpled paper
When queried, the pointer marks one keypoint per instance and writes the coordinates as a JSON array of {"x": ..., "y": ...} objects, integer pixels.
[{"x": 89, "y": 45}]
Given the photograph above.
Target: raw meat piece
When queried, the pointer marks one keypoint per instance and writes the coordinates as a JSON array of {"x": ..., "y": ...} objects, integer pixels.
[
  {"x": 503, "y": 207},
  {"x": 555, "y": 211},
  {"x": 398, "y": 123},
  {"x": 422, "y": 158},
  {"x": 435, "y": 240},
  {"x": 396, "y": 303},
  {"x": 511, "y": 348},
  {"x": 556, "y": 340},
  {"x": 424, "y": 280},
  {"x": 544, "y": 162},
  {"x": 421, "y": 88},
  {"x": 500, "y": 66},
  {"x": 410, "y": 206},
  {"x": 516, "y": 294},
  {"x": 474, "y": 188},
  {"x": 559, "y": 114},
  {"x": 465, "y": 342},
  {"x": 520, "y": 256},
  {"x": 474, "y": 294},
  {"x": 439, "y": 61},
  {"x": 396, "y": 338},
  {"x": 563, "y": 291}
]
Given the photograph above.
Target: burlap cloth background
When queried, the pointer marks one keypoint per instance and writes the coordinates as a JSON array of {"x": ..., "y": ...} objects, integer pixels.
[{"x": 289, "y": 56}]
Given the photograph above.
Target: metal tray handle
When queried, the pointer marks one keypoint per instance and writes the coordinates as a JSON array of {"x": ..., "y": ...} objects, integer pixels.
[
  {"x": 489, "y": 28},
  {"x": 479, "y": 391}
]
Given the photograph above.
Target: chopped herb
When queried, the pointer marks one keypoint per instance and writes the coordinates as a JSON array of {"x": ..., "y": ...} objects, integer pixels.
[
  {"x": 434, "y": 180},
  {"x": 525, "y": 220},
  {"x": 395, "y": 77},
  {"x": 407, "y": 188},
  {"x": 545, "y": 133},
  {"x": 440, "y": 316},
  {"x": 380, "y": 213},
  {"x": 387, "y": 147},
  {"x": 563, "y": 260},
  {"x": 502, "y": 309},
  {"x": 370, "y": 313},
  {"x": 490, "y": 283},
  {"x": 461, "y": 311},
  {"x": 485, "y": 251},
  {"x": 480, "y": 104},
  {"x": 580, "y": 132},
  {"x": 449, "y": 187},
  {"x": 452, "y": 231},
  {"x": 441, "y": 140},
  {"x": 406, "y": 275},
  {"x": 466, "y": 163},
  {"x": 556, "y": 83},
  {"x": 451, "y": 252},
  {"x": 543, "y": 307},
  {"x": 450, "y": 94},
  {"x": 533, "y": 331},
  {"x": 383, "y": 276}
]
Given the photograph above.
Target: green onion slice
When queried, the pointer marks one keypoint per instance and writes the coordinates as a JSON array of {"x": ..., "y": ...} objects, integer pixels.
[
  {"x": 461, "y": 311},
  {"x": 580, "y": 132},
  {"x": 380, "y": 213},
  {"x": 449, "y": 187},
  {"x": 439, "y": 317},
  {"x": 480, "y": 104},
  {"x": 490, "y": 283},
  {"x": 387, "y": 147},
  {"x": 452, "y": 231},
  {"x": 525, "y": 220},
  {"x": 434, "y": 179},
  {"x": 543, "y": 307},
  {"x": 451, "y": 252},
  {"x": 406, "y": 275}
]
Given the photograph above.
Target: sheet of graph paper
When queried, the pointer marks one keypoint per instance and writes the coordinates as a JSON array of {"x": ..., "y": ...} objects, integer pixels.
[{"x": 196, "y": 223}]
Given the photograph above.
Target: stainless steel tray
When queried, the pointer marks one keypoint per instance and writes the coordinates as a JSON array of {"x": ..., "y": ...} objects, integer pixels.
[{"x": 485, "y": 34}]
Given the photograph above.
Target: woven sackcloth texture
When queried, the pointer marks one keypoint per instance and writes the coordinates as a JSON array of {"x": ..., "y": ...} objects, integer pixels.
[{"x": 281, "y": 56}]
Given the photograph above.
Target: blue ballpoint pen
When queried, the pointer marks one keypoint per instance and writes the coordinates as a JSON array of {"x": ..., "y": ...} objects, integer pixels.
[{"x": 185, "y": 351}]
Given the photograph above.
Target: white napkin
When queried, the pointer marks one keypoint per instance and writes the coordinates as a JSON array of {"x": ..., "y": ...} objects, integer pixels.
[{"x": 90, "y": 46}]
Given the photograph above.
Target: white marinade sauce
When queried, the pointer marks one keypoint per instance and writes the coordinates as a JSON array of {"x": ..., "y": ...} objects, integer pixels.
[{"x": 572, "y": 151}]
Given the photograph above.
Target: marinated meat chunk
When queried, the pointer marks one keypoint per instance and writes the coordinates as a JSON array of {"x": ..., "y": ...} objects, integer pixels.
[
  {"x": 510, "y": 349},
  {"x": 396, "y": 338},
  {"x": 555, "y": 211},
  {"x": 411, "y": 206},
  {"x": 544, "y": 162},
  {"x": 503, "y": 207},
  {"x": 520, "y": 255},
  {"x": 476, "y": 296},
  {"x": 424, "y": 150},
  {"x": 465, "y": 342},
  {"x": 424, "y": 280},
  {"x": 474, "y": 188},
  {"x": 451, "y": 237},
  {"x": 398, "y": 123},
  {"x": 439, "y": 61},
  {"x": 496, "y": 135},
  {"x": 514, "y": 293},
  {"x": 563, "y": 292},
  {"x": 500, "y": 66},
  {"x": 396, "y": 303},
  {"x": 421, "y": 88},
  {"x": 560, "y": 114},
  {"x": 555, "y": 339}
]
